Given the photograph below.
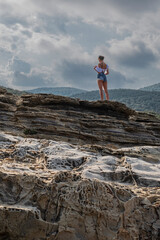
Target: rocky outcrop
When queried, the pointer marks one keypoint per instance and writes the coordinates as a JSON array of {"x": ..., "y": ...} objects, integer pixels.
[
  {"x": 76, "y": 121},
  {"x": 77, "y": 170}
]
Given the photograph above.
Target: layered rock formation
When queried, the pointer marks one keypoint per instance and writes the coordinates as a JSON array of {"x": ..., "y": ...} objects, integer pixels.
[{"x": 77, "y": 170}]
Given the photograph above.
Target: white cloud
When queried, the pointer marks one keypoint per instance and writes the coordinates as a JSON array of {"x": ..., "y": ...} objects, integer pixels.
[
  {"x": 19, "y": 65},
  {"x": 132, "y": 52},
  {"x": 38, "y": 34}
]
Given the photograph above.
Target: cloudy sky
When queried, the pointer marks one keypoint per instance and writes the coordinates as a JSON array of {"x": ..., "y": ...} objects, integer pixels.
[{"x": 48, "y": 43}]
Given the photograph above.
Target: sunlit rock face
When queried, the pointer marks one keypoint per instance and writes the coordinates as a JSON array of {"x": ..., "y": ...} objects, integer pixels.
[{"x": 77, "y": 170}]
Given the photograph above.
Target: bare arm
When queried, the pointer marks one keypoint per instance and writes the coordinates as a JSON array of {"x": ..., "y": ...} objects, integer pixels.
[
  {"x": 96, "y": 69},
  {"x": 107, "y": 71}
]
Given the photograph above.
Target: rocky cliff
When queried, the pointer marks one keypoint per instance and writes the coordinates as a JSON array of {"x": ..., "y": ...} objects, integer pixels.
[{"x": 77, "y": 170}]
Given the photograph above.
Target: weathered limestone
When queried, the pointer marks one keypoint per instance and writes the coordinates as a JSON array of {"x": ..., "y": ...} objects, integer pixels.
[
  {"x": 75, "y": 121},
  {"x": 74, "y": 170}
]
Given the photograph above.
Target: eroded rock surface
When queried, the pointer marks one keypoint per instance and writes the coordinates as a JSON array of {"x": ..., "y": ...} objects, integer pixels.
[
  {"x": 75, "y": 121},
  {"x": 90, "y": 171}
]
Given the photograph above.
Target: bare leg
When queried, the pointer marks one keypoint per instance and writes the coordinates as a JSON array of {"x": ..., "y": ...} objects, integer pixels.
[
  {"x": 100, "y": 85},
  {"x": 105, "y": 90}
]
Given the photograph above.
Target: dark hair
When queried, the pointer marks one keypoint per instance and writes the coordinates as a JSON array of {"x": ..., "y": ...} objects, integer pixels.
[{"x": 101, "y": 58}]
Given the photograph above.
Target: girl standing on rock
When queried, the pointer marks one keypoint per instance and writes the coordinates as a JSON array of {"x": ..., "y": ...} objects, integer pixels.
[{"x": 101, "y": 76}]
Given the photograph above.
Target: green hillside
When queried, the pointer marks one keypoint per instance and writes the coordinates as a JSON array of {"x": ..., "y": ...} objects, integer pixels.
[
  {"x": 63, "y": 91},
  {"x": 14, "y": 91},
  {"x": 155, "y": 87},
  {"x": 135, "y": 99}
]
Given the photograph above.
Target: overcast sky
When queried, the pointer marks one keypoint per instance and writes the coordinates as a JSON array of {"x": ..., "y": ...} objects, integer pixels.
[{"x": 48, "y": 43}]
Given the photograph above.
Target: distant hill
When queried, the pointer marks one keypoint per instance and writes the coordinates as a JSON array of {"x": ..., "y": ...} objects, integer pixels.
[
  {"x": 135, "y": 99},
  {"x": 63, "y": 91},
  {"x": 155, "y": 87}
]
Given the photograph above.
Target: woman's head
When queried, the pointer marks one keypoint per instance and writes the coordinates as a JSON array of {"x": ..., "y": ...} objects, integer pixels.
[{"x": 101, "y": 58}]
